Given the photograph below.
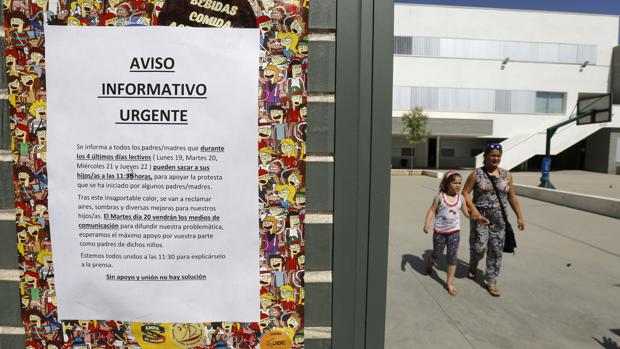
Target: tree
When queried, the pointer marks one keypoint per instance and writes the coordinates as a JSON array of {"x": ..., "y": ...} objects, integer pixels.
[{"x": 414, "y": 125}]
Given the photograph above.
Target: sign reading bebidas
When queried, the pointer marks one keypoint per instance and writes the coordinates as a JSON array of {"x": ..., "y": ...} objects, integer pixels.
[{"x": 208, "y": 13}]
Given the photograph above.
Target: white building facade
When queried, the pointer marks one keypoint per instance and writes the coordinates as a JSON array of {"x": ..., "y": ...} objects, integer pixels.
[{"x": 484, "y": 75}]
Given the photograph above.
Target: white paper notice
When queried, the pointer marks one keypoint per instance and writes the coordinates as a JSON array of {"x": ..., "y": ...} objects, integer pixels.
[{"x": 152, "y": 160}]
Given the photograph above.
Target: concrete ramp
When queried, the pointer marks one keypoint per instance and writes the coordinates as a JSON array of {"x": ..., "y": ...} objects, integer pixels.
[{"x": 522, "y": 147}]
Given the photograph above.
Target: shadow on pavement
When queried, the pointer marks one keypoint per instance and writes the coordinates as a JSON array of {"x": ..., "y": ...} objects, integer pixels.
[
  {"x": 607, "y": 343},
  {"x": 419, "y": 265}
]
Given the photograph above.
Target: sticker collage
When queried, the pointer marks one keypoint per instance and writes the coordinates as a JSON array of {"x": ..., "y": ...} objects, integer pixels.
[{"x": 281, "y": 126}]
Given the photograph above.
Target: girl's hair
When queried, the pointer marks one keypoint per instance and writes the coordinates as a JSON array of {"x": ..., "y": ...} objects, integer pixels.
[{"x": 448, "y": 178}]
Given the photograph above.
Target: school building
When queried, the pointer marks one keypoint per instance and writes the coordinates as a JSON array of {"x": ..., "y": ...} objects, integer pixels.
[{"x": 495, "y": 75}]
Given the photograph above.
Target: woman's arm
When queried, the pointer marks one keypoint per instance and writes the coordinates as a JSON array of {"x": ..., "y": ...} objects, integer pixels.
[
  {"x": 465, "y": 211},
  {"x": 514, "y": 203},
  {"x": 467, "y": 189},
  {"x": 429, "y": 216}
]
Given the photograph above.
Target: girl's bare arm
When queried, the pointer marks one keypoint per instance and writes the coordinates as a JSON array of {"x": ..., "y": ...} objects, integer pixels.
[{"x": 429, "y": 216}]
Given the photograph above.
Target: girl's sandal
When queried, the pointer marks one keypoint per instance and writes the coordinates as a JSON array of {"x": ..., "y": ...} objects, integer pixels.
[
  {"x": 451, "y": 290},
  {"x": 494, "y": 291}
]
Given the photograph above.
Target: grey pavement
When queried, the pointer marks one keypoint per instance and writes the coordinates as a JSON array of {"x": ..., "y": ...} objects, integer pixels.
[
  {"x": 592, "y": 183},
  {"x": 561, "y": 289}
]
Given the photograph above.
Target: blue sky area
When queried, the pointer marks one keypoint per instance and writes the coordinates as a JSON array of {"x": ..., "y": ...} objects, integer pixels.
[{"x": 586, "y": 6}]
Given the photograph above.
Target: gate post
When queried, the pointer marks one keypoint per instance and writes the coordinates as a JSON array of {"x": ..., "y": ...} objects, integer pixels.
[{"x": 362, "y": 171}]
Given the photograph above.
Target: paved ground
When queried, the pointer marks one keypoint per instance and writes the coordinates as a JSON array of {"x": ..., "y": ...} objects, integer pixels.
[
  {"x": 592, "y": 183},
  {"x": 561, "y": 290}
]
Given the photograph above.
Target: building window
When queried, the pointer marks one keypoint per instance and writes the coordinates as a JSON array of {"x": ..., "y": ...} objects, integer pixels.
[
  {"x": 407, "y": 152},
  {"x": 522, "y": 102},
  {"x": 425, "y": 46},
  {"x": 495, "y": 49},
  {"x": 503, "y": 101},
  {"x": 401, "y": 98},
  {"x": 402, "y": 45},
  {"x": 478, "y": 100},
  {"x": 447, "y": 152},
  {"x": 549, "y": 102}
]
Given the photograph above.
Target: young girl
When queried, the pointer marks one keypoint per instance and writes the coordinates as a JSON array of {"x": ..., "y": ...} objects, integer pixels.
[{"x": 446, "y": 206}]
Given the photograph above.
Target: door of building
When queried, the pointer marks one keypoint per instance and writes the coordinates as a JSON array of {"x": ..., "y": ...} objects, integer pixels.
[{"x": 432, "y": 152}]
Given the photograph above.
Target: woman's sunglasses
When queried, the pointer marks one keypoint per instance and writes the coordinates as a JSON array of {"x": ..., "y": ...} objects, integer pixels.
[{"x": 494, "y": 146}]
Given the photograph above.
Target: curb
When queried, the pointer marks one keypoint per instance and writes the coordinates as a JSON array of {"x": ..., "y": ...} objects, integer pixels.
[
  {"x": 591, "y": 203},
  {"x": 429, "y": 173},
  {"x": 406, "y": 172},
  {"x": 434, "y": 174}
]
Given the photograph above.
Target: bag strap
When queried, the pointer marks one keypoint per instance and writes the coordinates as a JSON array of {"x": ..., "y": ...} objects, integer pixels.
[{"x": 501, "y": 204}]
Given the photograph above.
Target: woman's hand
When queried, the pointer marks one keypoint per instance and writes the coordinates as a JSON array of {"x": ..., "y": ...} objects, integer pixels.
[
  {"x": 426, "y": 228},
  {"x": 521, "y": 223},
  {"x": 476, "y": 216}
]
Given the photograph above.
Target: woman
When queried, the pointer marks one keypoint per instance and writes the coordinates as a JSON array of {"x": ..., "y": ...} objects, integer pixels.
[{"x": 488, "y": 229}]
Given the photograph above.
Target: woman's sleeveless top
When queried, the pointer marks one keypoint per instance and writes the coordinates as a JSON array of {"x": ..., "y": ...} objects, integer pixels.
[{"x": 484, "y": 195}]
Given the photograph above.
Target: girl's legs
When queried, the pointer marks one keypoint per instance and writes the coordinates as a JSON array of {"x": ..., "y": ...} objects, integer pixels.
[
  {"x": 453, "y": 246},
  {"x": 439, "y": 243},
  {"x": 450, "y": 281},
  {"x": 429, "y": 264}
]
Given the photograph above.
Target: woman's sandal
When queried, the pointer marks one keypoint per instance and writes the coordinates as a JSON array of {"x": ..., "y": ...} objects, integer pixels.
[
  {"x": 451, "y": 290},
  {"x": 494, "y": 291},
  {"x": 471, "y": 274}
]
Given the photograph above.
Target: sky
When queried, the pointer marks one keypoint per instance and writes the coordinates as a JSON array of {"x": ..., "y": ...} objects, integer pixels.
[{"x": 587, "y": 6}]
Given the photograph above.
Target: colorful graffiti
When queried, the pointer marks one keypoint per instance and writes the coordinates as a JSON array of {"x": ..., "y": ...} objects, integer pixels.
[{"x": 281, "y": 115}]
